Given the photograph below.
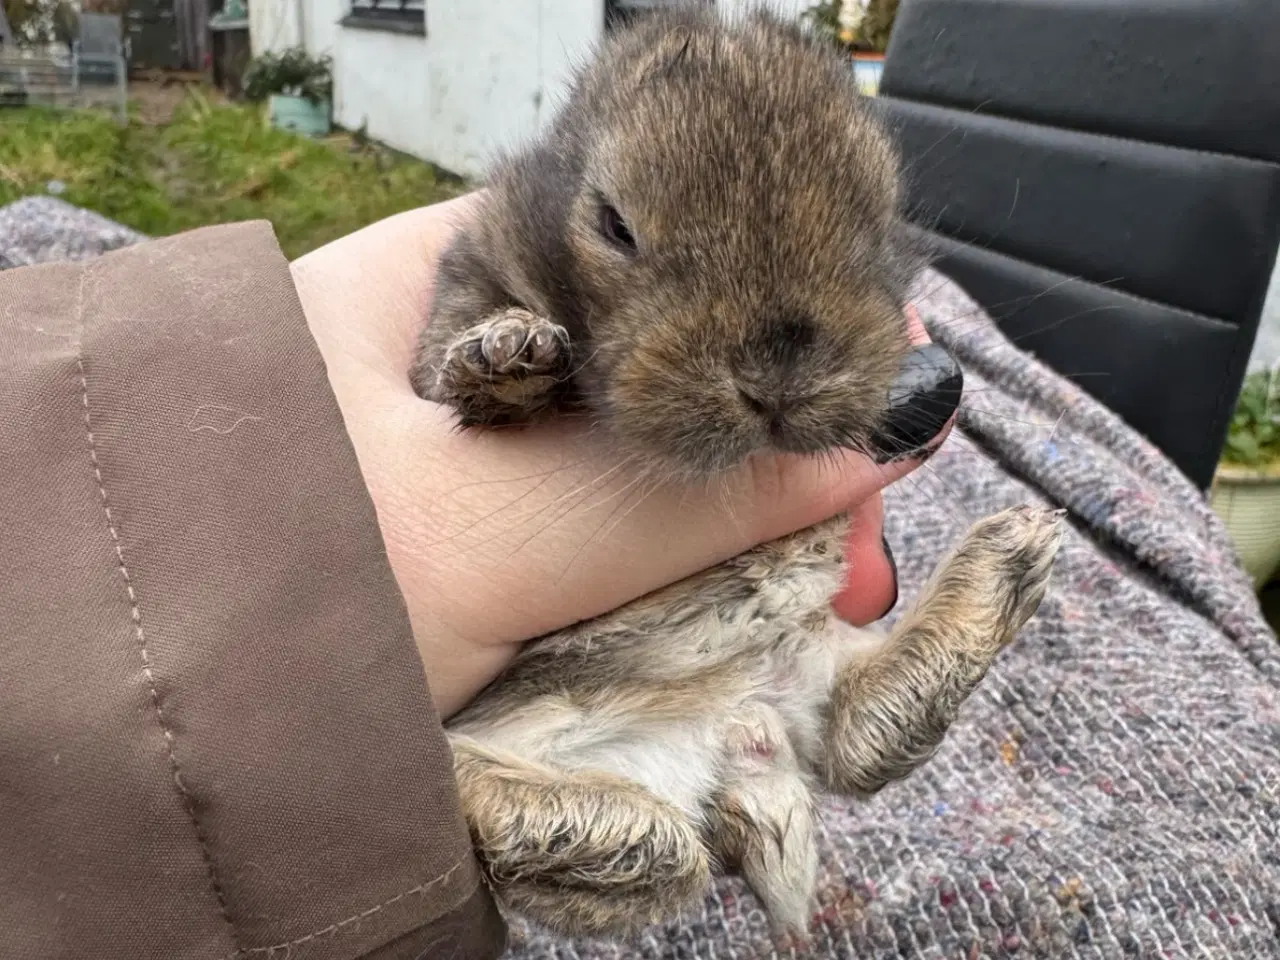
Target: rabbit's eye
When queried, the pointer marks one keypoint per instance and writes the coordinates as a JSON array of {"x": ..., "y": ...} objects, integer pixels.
[{"x": 615, "y": 229}]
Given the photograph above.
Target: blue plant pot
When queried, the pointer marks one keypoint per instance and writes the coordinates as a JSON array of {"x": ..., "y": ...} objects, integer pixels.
[{"x": 299, "y": 115}]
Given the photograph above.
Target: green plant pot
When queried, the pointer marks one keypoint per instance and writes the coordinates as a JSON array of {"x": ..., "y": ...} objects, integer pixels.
[
  {"x": 299, "y": 115},
  {"x": 1248, "y": 501}
]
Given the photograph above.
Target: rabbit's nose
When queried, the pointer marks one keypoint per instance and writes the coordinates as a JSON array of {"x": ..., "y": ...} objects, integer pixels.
[
  {"x": 773, "y": 408},
  {"x": 770, "y": 405}
]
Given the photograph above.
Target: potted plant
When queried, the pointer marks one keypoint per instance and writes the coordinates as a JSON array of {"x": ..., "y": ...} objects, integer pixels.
[
  {"x": 41, "y": 22},
  {"x": 862, "y": 29},
  {"x": 1246, "y": 486},
  {"x": 297, "y": 87}
]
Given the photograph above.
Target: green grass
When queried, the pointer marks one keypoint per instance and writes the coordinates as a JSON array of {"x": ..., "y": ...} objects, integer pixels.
[{"x": 213, "y": 163}]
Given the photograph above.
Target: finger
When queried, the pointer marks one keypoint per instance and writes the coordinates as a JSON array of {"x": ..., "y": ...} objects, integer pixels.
[
  {"x": 501, "y": 497},
  {"x": 915, "y": 326},
  {"x": 526, "y": 514},
  {"x": 871, "y": 584}
]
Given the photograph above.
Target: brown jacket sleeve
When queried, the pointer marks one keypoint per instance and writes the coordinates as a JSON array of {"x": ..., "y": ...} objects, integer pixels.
[{"x": 216, "y": 741}]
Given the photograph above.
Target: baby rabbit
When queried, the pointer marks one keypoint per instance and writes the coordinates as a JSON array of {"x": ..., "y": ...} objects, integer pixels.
[{"x": 702, "y": 254}]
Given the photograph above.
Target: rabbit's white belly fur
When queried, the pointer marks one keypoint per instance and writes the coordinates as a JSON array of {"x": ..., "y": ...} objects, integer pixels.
[{"x": 776, "y": 704}]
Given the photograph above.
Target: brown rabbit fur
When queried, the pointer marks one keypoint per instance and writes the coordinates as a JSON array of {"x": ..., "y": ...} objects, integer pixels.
[{"x": 701, "y": 254}]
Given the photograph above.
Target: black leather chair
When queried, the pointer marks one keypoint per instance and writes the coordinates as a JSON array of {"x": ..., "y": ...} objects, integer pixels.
[{"x": 1104, "y": 177}]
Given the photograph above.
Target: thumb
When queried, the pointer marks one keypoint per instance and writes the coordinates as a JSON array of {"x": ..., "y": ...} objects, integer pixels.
[{"x": 532, "y": 517}]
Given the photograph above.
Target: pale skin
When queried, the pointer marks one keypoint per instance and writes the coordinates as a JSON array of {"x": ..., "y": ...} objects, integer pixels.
[{"x": 498, "y": 537}]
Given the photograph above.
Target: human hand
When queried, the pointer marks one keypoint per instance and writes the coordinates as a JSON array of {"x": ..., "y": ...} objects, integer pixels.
[{"x": 498, "y": 537}]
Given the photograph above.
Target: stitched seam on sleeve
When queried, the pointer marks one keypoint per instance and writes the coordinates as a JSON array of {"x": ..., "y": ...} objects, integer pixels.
[
  {"x": 334, "y": 928},
  {"x": 135, "y": 613}
]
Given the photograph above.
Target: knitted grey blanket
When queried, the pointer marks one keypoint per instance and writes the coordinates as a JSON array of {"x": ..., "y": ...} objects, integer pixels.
[
  {"x": 1112, "y": 788},
  {"x": 45, "y": 229}
]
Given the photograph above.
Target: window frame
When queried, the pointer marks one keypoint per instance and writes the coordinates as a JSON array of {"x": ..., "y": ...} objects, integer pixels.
[{"x": 392, "y": 16}]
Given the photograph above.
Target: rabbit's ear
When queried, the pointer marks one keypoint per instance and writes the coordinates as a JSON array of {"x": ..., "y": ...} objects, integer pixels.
[
  {"x": 676, "y": 39},
  {"x": 676, "y": 50}
]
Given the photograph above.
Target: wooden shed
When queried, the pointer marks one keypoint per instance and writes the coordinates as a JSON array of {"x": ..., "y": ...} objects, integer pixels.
[{"x": 169, "y": 34}]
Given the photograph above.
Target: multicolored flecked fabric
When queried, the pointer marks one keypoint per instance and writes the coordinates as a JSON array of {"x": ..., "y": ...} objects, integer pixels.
[
  {"x": 44, "y": 229},
  {"x": 1113, "y": 787}
]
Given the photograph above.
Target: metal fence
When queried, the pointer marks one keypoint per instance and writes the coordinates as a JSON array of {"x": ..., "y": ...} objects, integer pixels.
[
  {"x": 93, "y": 72},
  {"x": 43, "y": 77}
]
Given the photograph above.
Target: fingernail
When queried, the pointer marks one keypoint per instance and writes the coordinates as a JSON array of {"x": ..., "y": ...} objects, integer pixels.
[
  {"x": 921, "y": 401},
  {"x": 892, "y": 567}
]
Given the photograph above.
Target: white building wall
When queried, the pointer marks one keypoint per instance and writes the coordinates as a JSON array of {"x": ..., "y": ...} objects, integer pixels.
[
  {"x": 1266, "y": 349},
  {"x": 497, "y": 69},
  {"x": 382, "y": 83},
  {"x": 320, "y": 24},
  {"x": 791, "y": 7},
  {"x": 279, "y": 24},
  {"x": 487, "y": 74},
  {"x": 273, "y": 25}
]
